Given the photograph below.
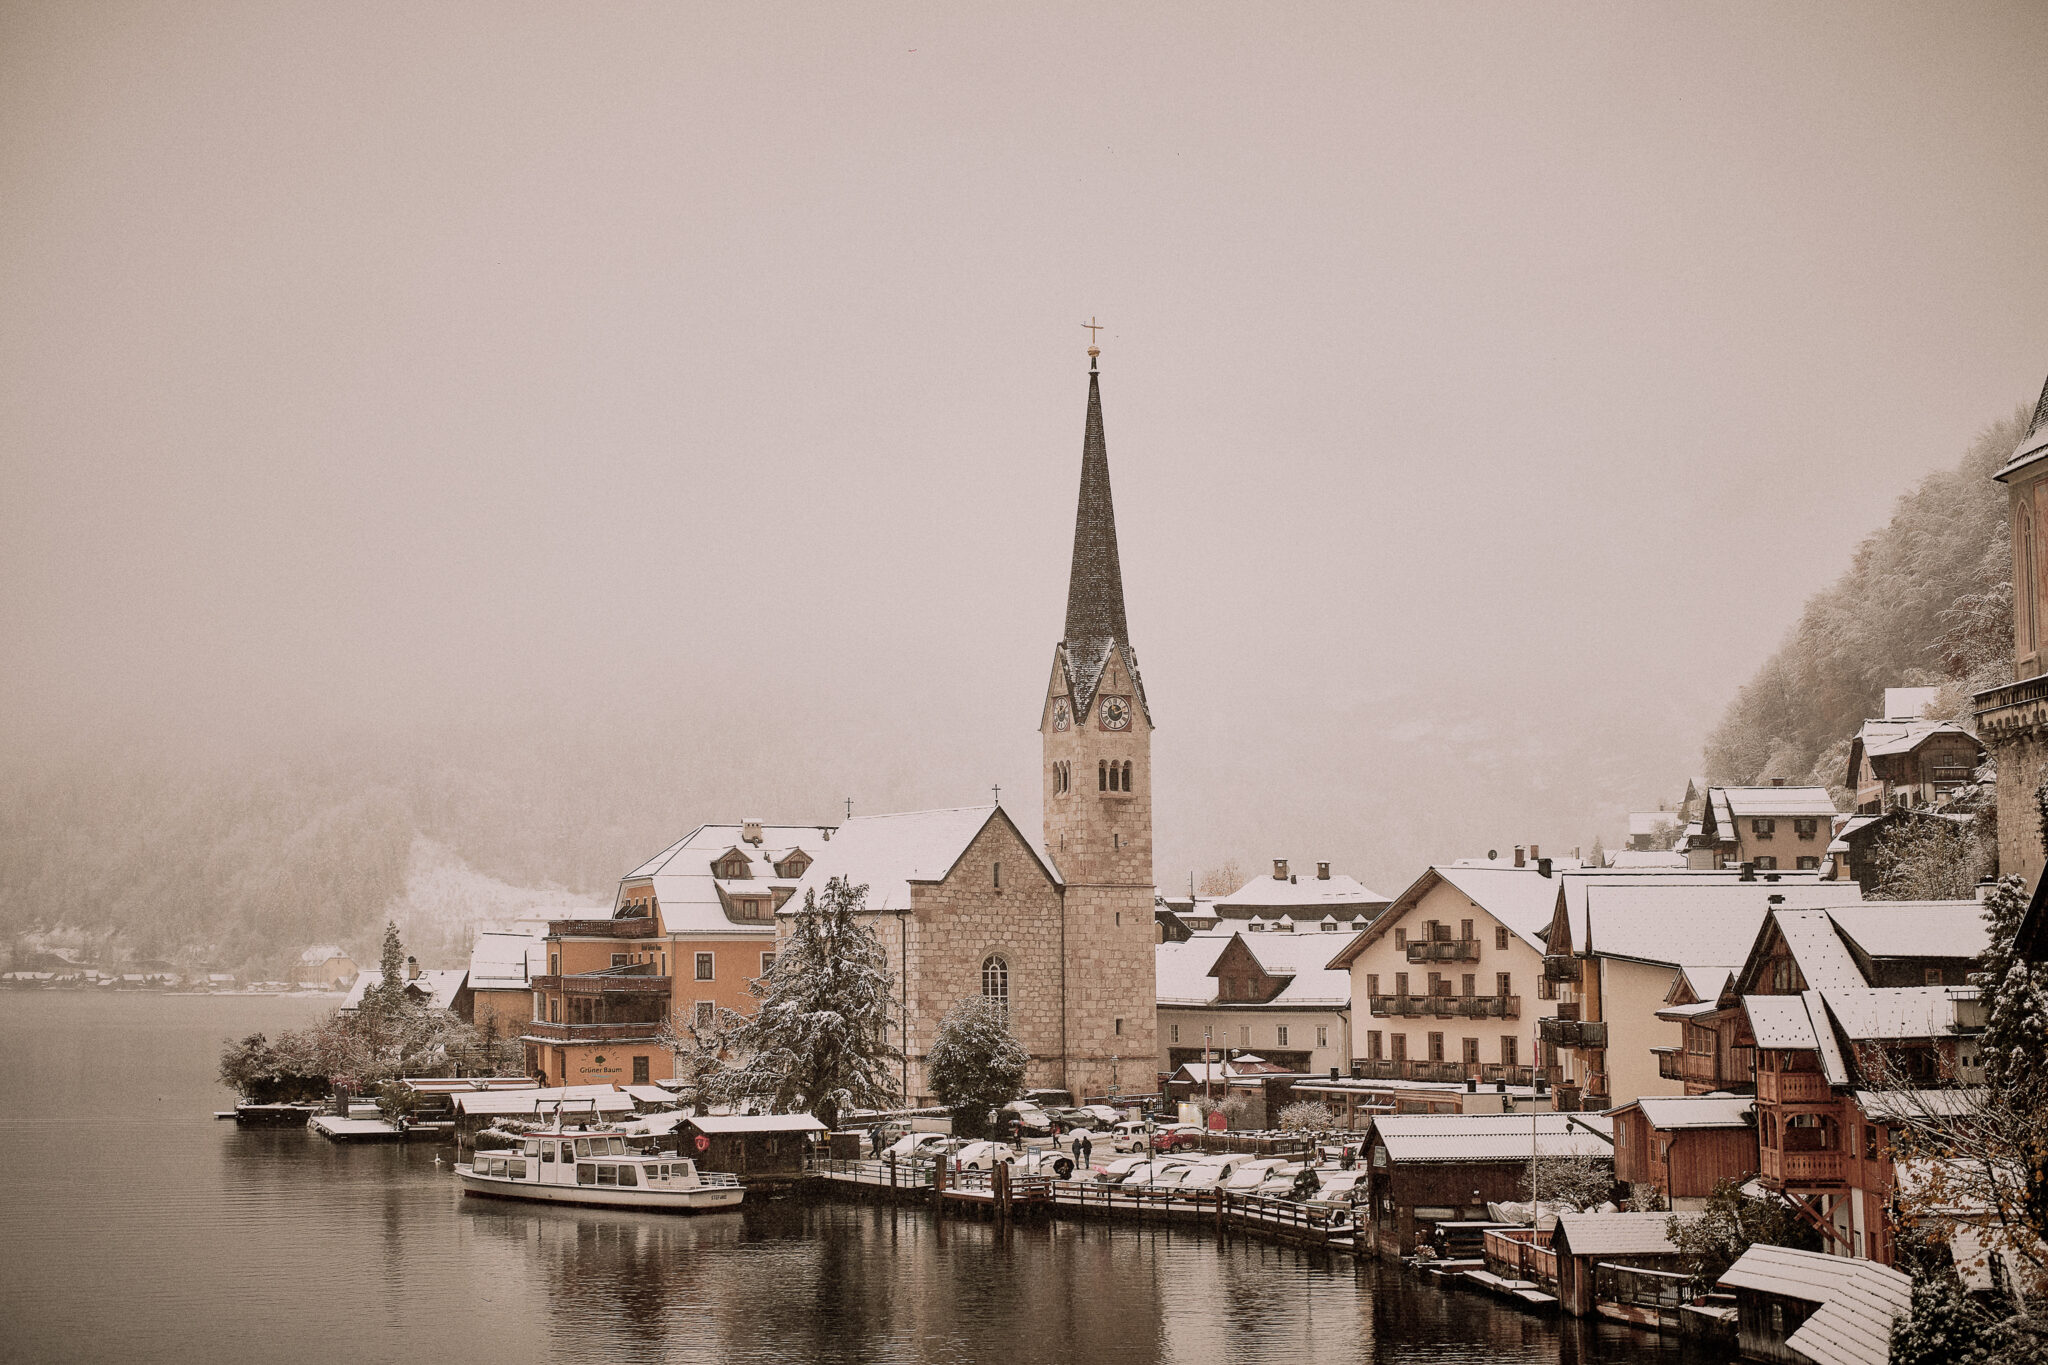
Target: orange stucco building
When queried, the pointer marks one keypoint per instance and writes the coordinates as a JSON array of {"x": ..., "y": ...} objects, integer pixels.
[{"x": 691, "y": 930}]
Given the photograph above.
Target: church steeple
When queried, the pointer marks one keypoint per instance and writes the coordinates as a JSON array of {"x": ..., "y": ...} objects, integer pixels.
[{"x": 1095, "y": 589}]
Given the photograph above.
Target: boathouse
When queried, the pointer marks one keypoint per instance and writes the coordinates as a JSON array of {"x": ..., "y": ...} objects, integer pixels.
[
  {"x": 1435, "y": 1168},
  {"x": 750, "y": 1145},
  {"x": 1810, "y": 1308},
  {"x": 1619, "y": 1265}
]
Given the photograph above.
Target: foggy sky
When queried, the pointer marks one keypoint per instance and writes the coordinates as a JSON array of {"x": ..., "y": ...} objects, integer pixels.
[{"x": 1486, "y": 387}]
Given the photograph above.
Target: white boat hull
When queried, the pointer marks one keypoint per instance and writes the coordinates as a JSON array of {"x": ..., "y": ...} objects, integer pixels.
[{"x": 601, "y": 1196}]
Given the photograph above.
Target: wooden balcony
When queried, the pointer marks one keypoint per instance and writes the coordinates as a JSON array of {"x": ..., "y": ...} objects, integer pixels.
[
  {"x": 601, "y": 928},
  {"x": 1560, "y": 1032},
  {"x": 1670, "y": 1063},
  {"x": 1783, "y": 1169},
  {"x": 1561, "y": 967},
  {"x": 541, "y": 1031},
  {"x": 1793, "y": 1087},
  {"x": 1445, "y": 950}
]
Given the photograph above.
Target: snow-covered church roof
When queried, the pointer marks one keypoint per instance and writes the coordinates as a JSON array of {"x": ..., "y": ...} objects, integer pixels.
[{"x": 887, "y": 853}]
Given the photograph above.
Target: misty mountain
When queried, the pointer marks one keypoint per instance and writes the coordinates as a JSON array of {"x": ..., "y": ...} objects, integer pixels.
[{"x": 1926, "y": 601}]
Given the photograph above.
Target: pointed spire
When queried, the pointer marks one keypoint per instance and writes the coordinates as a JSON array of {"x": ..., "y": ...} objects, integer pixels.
[{"x": 1095, "y": 591}]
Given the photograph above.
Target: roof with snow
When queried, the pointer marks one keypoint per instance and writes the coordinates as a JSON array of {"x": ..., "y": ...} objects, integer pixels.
[
  {"x": 1336, "y": 893},
  {"x": 2034, "y": 445},
  {"x": 1883, "y": 1013},
  {"x": 436, "y": 987},
  {"x": 1947, "y": 929},
  {"x": 1746, "y": 803},
  {"x": 321, "y": 952},
  {"x": 754, "y": 1123},
  {"x": 1618, "y": 1234},
  {"x": 1183, "y": 970},
  {"x": 572, "y": 1100},
  {"x": 1672, "y": 1112},
  {"x": 689, "y": 898},
  {"x": 500, "y": 960},
  {"x": 1643, "y": 860},
  {"x": 1694, "y": 917},
  {"x": 1521, "y": 898},
  {"x": 888, "y": 853},
  {"x": 1859, "y": 1300},
  {"x": 1493, "y": 1137}
]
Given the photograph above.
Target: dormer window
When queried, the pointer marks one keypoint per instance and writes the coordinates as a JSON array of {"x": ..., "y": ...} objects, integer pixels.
[
  {"x": 794, "y": 865},
  {"x": 735, "y": 866}
]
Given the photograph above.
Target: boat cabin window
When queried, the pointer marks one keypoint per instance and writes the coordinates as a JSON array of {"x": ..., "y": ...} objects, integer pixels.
[
  {"x": 586, "y": 1174},
  {"x": 618, "y": 1146},
  {"x": 583, "y": 1146},
  {"x": 533, "y": 1146},
  {"x": 516, "y": 1168},
  {"x": 607, "y": 1175},
  {"x": 627, "y": 1176},
  {"x": 547, "y": 1151}
]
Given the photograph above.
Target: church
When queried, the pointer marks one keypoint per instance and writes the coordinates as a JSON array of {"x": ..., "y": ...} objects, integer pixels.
[{"x": 1059, "y": 927}]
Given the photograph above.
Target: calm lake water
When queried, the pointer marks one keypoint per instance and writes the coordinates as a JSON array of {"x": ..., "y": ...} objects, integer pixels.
[{"x": 134, "y": 1227}]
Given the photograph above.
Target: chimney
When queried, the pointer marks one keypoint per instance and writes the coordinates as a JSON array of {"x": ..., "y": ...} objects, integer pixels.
[
  {"x": 1279, "y": 869},
  {"x": 1774, "y": 899},
  {"x": 1471, "y": 1084},
  {"x": 1749, "y": 872},
  {"x": 1292, "y": 879},
  {"x": 1543, "y": 867},
  {"x": 1333, "y": 1073},
  {"x": 412, "y": 969},
  {"x": 1322, "y": 872},
  {"x": 1519, "y": 853},
  {"x": 750, "y": 832},
  {"x": 1534, "y": 852}
]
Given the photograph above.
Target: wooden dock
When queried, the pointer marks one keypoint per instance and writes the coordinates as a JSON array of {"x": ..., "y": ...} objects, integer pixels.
[{"x": 1001, "y": 1197}]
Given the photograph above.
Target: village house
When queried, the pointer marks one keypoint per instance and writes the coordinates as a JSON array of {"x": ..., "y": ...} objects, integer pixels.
[
  {"x": 1612, "y": 945},
  {"x": 1903, "y": 760},
  {"x": 1807, "y": 1308},
  {"x": 438, "y": 988},
  {"x": 1622, "y": 1266},
  {"x": 1772, "y": 829},
  {"x": 1272, "y": 992},
  {"x": 2013, "y": 717},
  {"x": 1426, "y": 1169},
  {"x": 502, "y": 965},
  {"x": 1841, "y": 1040},
  {"x": 1355, "y": 1103},
  {"x": 1685, "y": 1145},
  {"x": 1445, "y": 979},
  {"x": 1323, "y": 896},
  {"x": 325, "y": 965},
  {"x": 691, "y": 929}
]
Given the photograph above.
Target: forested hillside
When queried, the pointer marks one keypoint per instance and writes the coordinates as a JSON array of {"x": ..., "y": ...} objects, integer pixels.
[{"x": 1927, "y": 601}]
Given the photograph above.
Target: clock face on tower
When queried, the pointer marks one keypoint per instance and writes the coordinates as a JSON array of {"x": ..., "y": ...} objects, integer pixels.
[
  {"x": 1116, "y": 713},
  {"x": 1062, "y": 714}
]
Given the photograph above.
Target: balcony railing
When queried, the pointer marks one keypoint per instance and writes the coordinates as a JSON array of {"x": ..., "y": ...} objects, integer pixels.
[
  {"x": 1670, "y": 1063},
  {"x": 1445, "y": 950},
  {"x": 1561, "y": 967},
  {"x": 1560, "y": 1032},
  {"x": 1800, "y": 1168},
  {"x": 1411, "y": 1069},
  {"x": 1593, "y": 1033},
  {"x": 542, "y": 1031},
  {"x": 1494, "y": 1072},
  {"x": 601, "y": 928},
  {"x": 603, "y": 983},
  {"x": 1793, "y": 1087}
]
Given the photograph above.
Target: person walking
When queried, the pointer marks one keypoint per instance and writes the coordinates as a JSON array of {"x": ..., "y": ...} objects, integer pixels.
[{"x": 1083, "y": 1149}]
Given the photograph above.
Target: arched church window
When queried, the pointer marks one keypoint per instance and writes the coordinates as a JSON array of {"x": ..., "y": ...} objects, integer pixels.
[
  {"x": 2026, "y": 623},
  {"x": 995, "y": 980},
  {"x": 1102, "y": 774},
  {"x": 1127, "y": 774}
]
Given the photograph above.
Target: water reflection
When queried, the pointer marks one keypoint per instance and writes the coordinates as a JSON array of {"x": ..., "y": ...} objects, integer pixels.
[{"x": 179, "y": 1238}]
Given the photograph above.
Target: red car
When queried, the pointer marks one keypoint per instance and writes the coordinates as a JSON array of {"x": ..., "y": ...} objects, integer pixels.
[{"x": 1180, "y": 1135}]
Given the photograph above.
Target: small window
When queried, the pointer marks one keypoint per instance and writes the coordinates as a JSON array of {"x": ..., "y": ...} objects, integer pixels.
[
  {"x": 1500, "y": 937},
  {"x": 1322, "y": 1035},
  {"x": 1809, "y": 863},
  {"x": 607, "y": 1175},
  {"x": 1173, "y": 1033},
  {"x": 1766, "y": 863},
  {"x": 704, "y": 967},
  {"x": 995, "y": 870},
  {"x": 583, "y": 1146},
  {"x": 1282, "y": 1032},
  {"x": 1120, "y": 1030},
  {"x": 1244, "y": 1036},
  {"x": 1806, "y": 828},
  {"x": 706, "y": 1014},
  {"x": 1472, "y": 1051},
  {"x": 1763, "y": 829},
  {"x": 1102, "y": 775},
  {"x": 628, "y": 1176},
  {"x": 640, "y": 1071},
  {"x": 547, "y": 1153},
  {"x": 1372, "y": 983},
  {"x": 1465, "y": 929},
  {"x": 1127, "y": 774},
  {"x": 1932, "y": 976},
  {"x": 620, "y": 959},
  {"x": 586, "y": 1174},
  {"x": 1436, "y": 1047},
  {"x": 554, "y": 964},
  {"x": 1400, "y": 938},
  {"x": 1375, "y": 1045},
  {"x": 767, "y": 963},
  {"x": 1508, "y": 1049},
  {"x": 995, "y": 980}
]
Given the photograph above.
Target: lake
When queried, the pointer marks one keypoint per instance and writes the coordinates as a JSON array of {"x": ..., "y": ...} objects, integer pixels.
[{"x": 135, "y": 1227}]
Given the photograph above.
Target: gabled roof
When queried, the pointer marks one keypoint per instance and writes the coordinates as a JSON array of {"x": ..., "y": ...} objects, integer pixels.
[
  {"x": 1696, "y": 917},
  {"x": 501, "y": 960},
  {"x": 1780, "y": 1021},
  {"x": 687, "y": 895},
  {"x": 753, "y": 1123},
  {"x": 1886, "y": 1013},
  {"x": 1521, "y": 898},
  {"x": 1183, "y": 970},
  {"x": 437, "y": 986},
  {"x": 1860, "y": 1300},
  {"x": 1726, "y": 805},
  {"x": 2034, "y": 445},
  {"x": 888, "y": 853},
  {"x": 1619, "y": 1234},
  {"x": 1938, "y": 929},
  {"x": 321, "y": 952},
  {"x": 1336, "y": 892},
  {"x": 1493, "y": 1137}
]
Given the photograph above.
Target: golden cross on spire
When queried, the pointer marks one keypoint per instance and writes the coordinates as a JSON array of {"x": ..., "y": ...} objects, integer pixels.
[{"x": 1093, "y": 327}]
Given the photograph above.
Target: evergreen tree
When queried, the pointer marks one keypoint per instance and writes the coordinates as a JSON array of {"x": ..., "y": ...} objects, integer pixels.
[
  {"x": 818, "y": 1042},
  {"x": 976, "y": 1064},
  {"x": 385, "y": 999}
]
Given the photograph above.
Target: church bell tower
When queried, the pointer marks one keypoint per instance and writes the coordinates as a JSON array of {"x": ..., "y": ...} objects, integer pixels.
[{"x": 1097, "y": 735}]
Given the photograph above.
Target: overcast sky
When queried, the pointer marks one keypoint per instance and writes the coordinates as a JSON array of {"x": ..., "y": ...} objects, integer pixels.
[{"x": 1486, "y": 386}]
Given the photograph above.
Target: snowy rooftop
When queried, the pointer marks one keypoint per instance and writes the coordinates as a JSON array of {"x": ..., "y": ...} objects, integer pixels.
[
  {"x": 1335, "y": 894},
  {"x": 499, "y": 960},
  {"x": 1493, "y": 1137},
  {"x": 1669, "y": 1112},
  {"x": 1859, "y": 1300},
  {"x": 321, "y": 952},
  {"x": 438, "y": 985},
  {"x": 1877, "y": 1013},
  {"x": 1881, "y": 737},
  {"x": 1618, "y": 1234},
  {"x": 686, "y": 893},
  {"x": 1915, "y": 928},
  {"x": 1702, "y": 918},
  {"x": 886, "y": 853},
  {"x": 1638, "y": 860},
  {"x": 1182, "y": 970},
  {"x": 755, "y": 1123},
  {"x": 1746, "y": 803}
]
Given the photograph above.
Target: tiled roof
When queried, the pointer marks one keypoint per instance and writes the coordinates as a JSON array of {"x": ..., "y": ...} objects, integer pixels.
[
  {"x": 1824, "y": 960},
  {"x": 1780, "y": 1021},
  {"x": 1095, "y": 625},
  {"x": 2033, "y": 445},
  {"x": 1859, "y": 1300}
]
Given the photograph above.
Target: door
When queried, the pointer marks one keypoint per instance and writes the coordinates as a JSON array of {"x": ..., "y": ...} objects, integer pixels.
[{"x": 639, "y": 1071}]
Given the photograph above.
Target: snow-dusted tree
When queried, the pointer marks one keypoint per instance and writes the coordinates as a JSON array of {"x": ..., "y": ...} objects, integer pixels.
[
  {"x": 1926, "y": 857},
  {"x": 1729, "y": 1225},
  {"x": 976, "y": 1064},
  {"x": 1578, "y": 1182},
  {"x": 1222, "y": 879},
  {"x": 818, "y": 1041},
  {"x": 700, "y": 1050},
  {"x": 388, "y": 995},
  {"x": 1598, "y": 856},
  {"x": 1307, "y": 1116}
]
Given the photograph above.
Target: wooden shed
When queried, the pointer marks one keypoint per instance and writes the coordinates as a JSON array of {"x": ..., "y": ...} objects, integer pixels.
[
  {"x": 1684, "y": 1145},
  {"x": 1592, "y": 1247},
  {"x": 1810, "y": 1308},
  {"x": 1427, "y": 1169},
  {"x": 750, "y": 1145}
]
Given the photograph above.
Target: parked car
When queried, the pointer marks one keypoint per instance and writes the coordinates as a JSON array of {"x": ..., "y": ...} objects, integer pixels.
[
  {"x": 1106, "y": 1116},
  {"x": 1176, "y": 1136},
  {"x": 1279, "y": 1180},
  {"x": 1129, "y": 1136},
  {"x": 1154, "y": 1175},
  {"x": 1117, "y": 1169},
  {"x": 1202, "y": 1176},
  {"x": 912, "y": 1144},
  {"x": 1251, "y": 1174},
  {"x": 984, "y": 1156},
  {"x": 1044, "y": 1161},
  {"x": 1340, "y": 1187}
]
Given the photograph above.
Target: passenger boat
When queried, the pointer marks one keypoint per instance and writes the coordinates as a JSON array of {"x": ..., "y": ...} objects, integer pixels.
[{"x": 594, "y": 1168}]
